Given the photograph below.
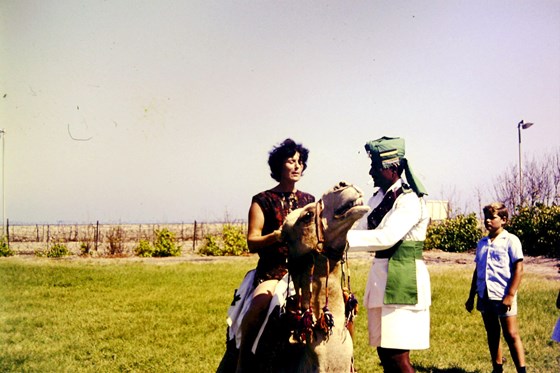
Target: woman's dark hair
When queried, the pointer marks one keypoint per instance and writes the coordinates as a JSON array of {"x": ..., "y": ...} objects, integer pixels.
[{"x": 280, "y": 153}]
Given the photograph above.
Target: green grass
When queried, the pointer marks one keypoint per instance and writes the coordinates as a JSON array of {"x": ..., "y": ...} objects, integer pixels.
[{"x": 83, "y": 316}]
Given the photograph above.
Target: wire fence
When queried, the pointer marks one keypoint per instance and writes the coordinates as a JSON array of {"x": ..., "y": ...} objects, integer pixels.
[{"x": 102, "y": 238}]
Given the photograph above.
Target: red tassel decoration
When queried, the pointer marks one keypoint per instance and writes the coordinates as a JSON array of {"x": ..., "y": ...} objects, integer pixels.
[{"x": 326, "y": 321}]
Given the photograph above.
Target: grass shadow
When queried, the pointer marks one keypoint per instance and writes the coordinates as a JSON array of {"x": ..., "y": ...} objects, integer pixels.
[{"x": 432, "y": 369}]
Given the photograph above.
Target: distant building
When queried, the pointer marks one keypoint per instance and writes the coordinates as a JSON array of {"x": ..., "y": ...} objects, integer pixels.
[{"x": 439, "y": 210}]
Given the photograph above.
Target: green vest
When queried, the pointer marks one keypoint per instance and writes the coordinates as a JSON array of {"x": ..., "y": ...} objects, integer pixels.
[{"x": 401, "y": 275}]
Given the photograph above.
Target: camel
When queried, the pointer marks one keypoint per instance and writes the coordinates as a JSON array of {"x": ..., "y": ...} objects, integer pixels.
[{"x": 306, "y": 328}]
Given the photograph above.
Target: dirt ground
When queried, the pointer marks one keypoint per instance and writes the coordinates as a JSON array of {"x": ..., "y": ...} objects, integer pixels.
[{"x": 547, "y": 267}]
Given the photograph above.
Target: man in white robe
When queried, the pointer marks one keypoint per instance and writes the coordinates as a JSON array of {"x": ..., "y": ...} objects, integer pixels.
[{"x": 398, "y": 295}]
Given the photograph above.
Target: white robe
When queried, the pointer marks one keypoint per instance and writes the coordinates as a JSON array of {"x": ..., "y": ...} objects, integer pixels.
[{"x": 404, "y": 327}]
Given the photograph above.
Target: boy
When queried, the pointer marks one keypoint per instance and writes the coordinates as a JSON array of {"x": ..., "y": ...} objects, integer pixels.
[{"x": 496, "y": 278}]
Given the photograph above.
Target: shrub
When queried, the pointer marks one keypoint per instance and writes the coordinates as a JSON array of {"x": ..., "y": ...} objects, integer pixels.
[
  {"x": 144, "y": 249},
  {"x": 58, "y": 250},
  {"x": 235, "y": 241},
  {"x": 5, "y": 249},
  {"x": 458, "y": 234},
  {"x": 116, "y": 237},
  {"x": 85, "y": 248},
  {"x": 211, "y": 246},
  {"x": 231, "y": 242},
  {"x": 164, "y": 245},
  {"x": 538, "y": 228}
]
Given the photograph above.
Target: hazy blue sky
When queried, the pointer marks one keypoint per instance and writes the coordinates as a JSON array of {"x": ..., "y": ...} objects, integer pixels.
[{"x": 164, "y": 111}]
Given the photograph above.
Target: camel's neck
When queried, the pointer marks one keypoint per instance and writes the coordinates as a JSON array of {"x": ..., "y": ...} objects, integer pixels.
[{"x": 319, "y": 284}]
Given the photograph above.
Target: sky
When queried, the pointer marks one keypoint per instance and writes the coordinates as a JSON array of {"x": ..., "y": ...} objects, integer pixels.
[{"x": 165, "y": 111}]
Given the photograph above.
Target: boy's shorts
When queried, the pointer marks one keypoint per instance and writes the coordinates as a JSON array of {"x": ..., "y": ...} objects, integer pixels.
[{"x": 496, "y": 307}]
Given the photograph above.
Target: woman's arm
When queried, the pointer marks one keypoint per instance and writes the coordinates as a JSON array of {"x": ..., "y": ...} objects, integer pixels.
[{"x": 255, "y": 239}]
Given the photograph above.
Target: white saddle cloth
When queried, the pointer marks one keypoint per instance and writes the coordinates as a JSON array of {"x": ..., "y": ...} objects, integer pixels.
[
  {"x": 242, "y": 301},
  {"x": 239, "y": 306}
]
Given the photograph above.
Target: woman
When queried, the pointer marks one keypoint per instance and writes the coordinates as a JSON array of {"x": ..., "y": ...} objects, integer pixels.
[{"x": 268, "y": 210}]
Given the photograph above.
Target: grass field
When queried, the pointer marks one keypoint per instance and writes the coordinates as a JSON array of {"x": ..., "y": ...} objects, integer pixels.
[{"x": 165, "y": 316}]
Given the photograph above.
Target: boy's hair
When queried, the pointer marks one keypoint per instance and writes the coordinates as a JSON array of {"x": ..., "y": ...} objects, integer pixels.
[
  {"x": 280, "y": 153},
  {"x": 496, "y": 208}
]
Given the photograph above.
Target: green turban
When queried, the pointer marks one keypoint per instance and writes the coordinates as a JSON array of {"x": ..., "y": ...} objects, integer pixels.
[{"x": 388, "y": 151}]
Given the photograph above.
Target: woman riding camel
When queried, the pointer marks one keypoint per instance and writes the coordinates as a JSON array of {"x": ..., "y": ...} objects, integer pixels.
[{"x": 268, "y": 210}]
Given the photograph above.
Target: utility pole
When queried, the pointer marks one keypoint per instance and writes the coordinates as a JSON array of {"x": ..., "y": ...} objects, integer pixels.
[
  {"x": 3, "y": 134},
  {"x": 521, "y": 125}
]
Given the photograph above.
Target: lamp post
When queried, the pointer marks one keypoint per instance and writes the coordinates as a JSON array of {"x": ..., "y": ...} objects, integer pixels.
[
  {"x": 3, "y": 134},
  {"x": 521, "y": 125}
]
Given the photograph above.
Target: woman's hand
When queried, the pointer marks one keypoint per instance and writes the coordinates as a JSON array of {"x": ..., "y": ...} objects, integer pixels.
[{"x": 278, "y": 234}]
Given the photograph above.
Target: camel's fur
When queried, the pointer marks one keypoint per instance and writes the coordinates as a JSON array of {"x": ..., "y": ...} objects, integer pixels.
[
  {"x": 340, "y": 208},
  {"x": 324, "y": 353}
]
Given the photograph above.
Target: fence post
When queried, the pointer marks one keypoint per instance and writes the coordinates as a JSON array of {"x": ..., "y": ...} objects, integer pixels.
[
  {"x": 194, "y": 237},
  {"x": 8, "y": 232},
  {"x": 96, "y": 234}
]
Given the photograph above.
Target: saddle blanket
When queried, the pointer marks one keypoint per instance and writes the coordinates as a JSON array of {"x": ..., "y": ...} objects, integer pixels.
[{"x": 242, "y": 301}]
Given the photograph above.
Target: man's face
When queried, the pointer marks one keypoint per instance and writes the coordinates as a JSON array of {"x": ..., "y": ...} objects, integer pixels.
[{"x": 382, "y": 177}]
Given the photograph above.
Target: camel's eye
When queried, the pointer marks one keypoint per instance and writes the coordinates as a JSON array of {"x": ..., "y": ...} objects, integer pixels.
[{"x": 307, "y": 217}]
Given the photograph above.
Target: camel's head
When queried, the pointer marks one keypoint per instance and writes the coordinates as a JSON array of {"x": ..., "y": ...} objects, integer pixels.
[{"x": 322, "y": 225}]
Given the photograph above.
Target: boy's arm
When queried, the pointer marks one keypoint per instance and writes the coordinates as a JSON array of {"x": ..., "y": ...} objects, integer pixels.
[
  {"x": 515, "y": 281},
  {"x": 469, "y": 304}
]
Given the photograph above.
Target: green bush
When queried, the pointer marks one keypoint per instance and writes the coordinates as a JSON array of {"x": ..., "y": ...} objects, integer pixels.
[
  {"x": 58, "y": 250},
  {"x": 231, "y": 242},
  {"x": 85, "y": 248},
  {"x": 211, "y": 246},
  {"x": 144, "y": 249},
  {"x": 538, "y": 228},
  {"x": 458, "y": 234},
  {"x": 5, "y": 249},
  {"x": 165, "y": 244}
]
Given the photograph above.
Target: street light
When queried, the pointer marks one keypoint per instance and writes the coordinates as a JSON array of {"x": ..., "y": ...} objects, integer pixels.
[
  {"x": 521, "y": 125},
  {"x": 3, "y": 134}
]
